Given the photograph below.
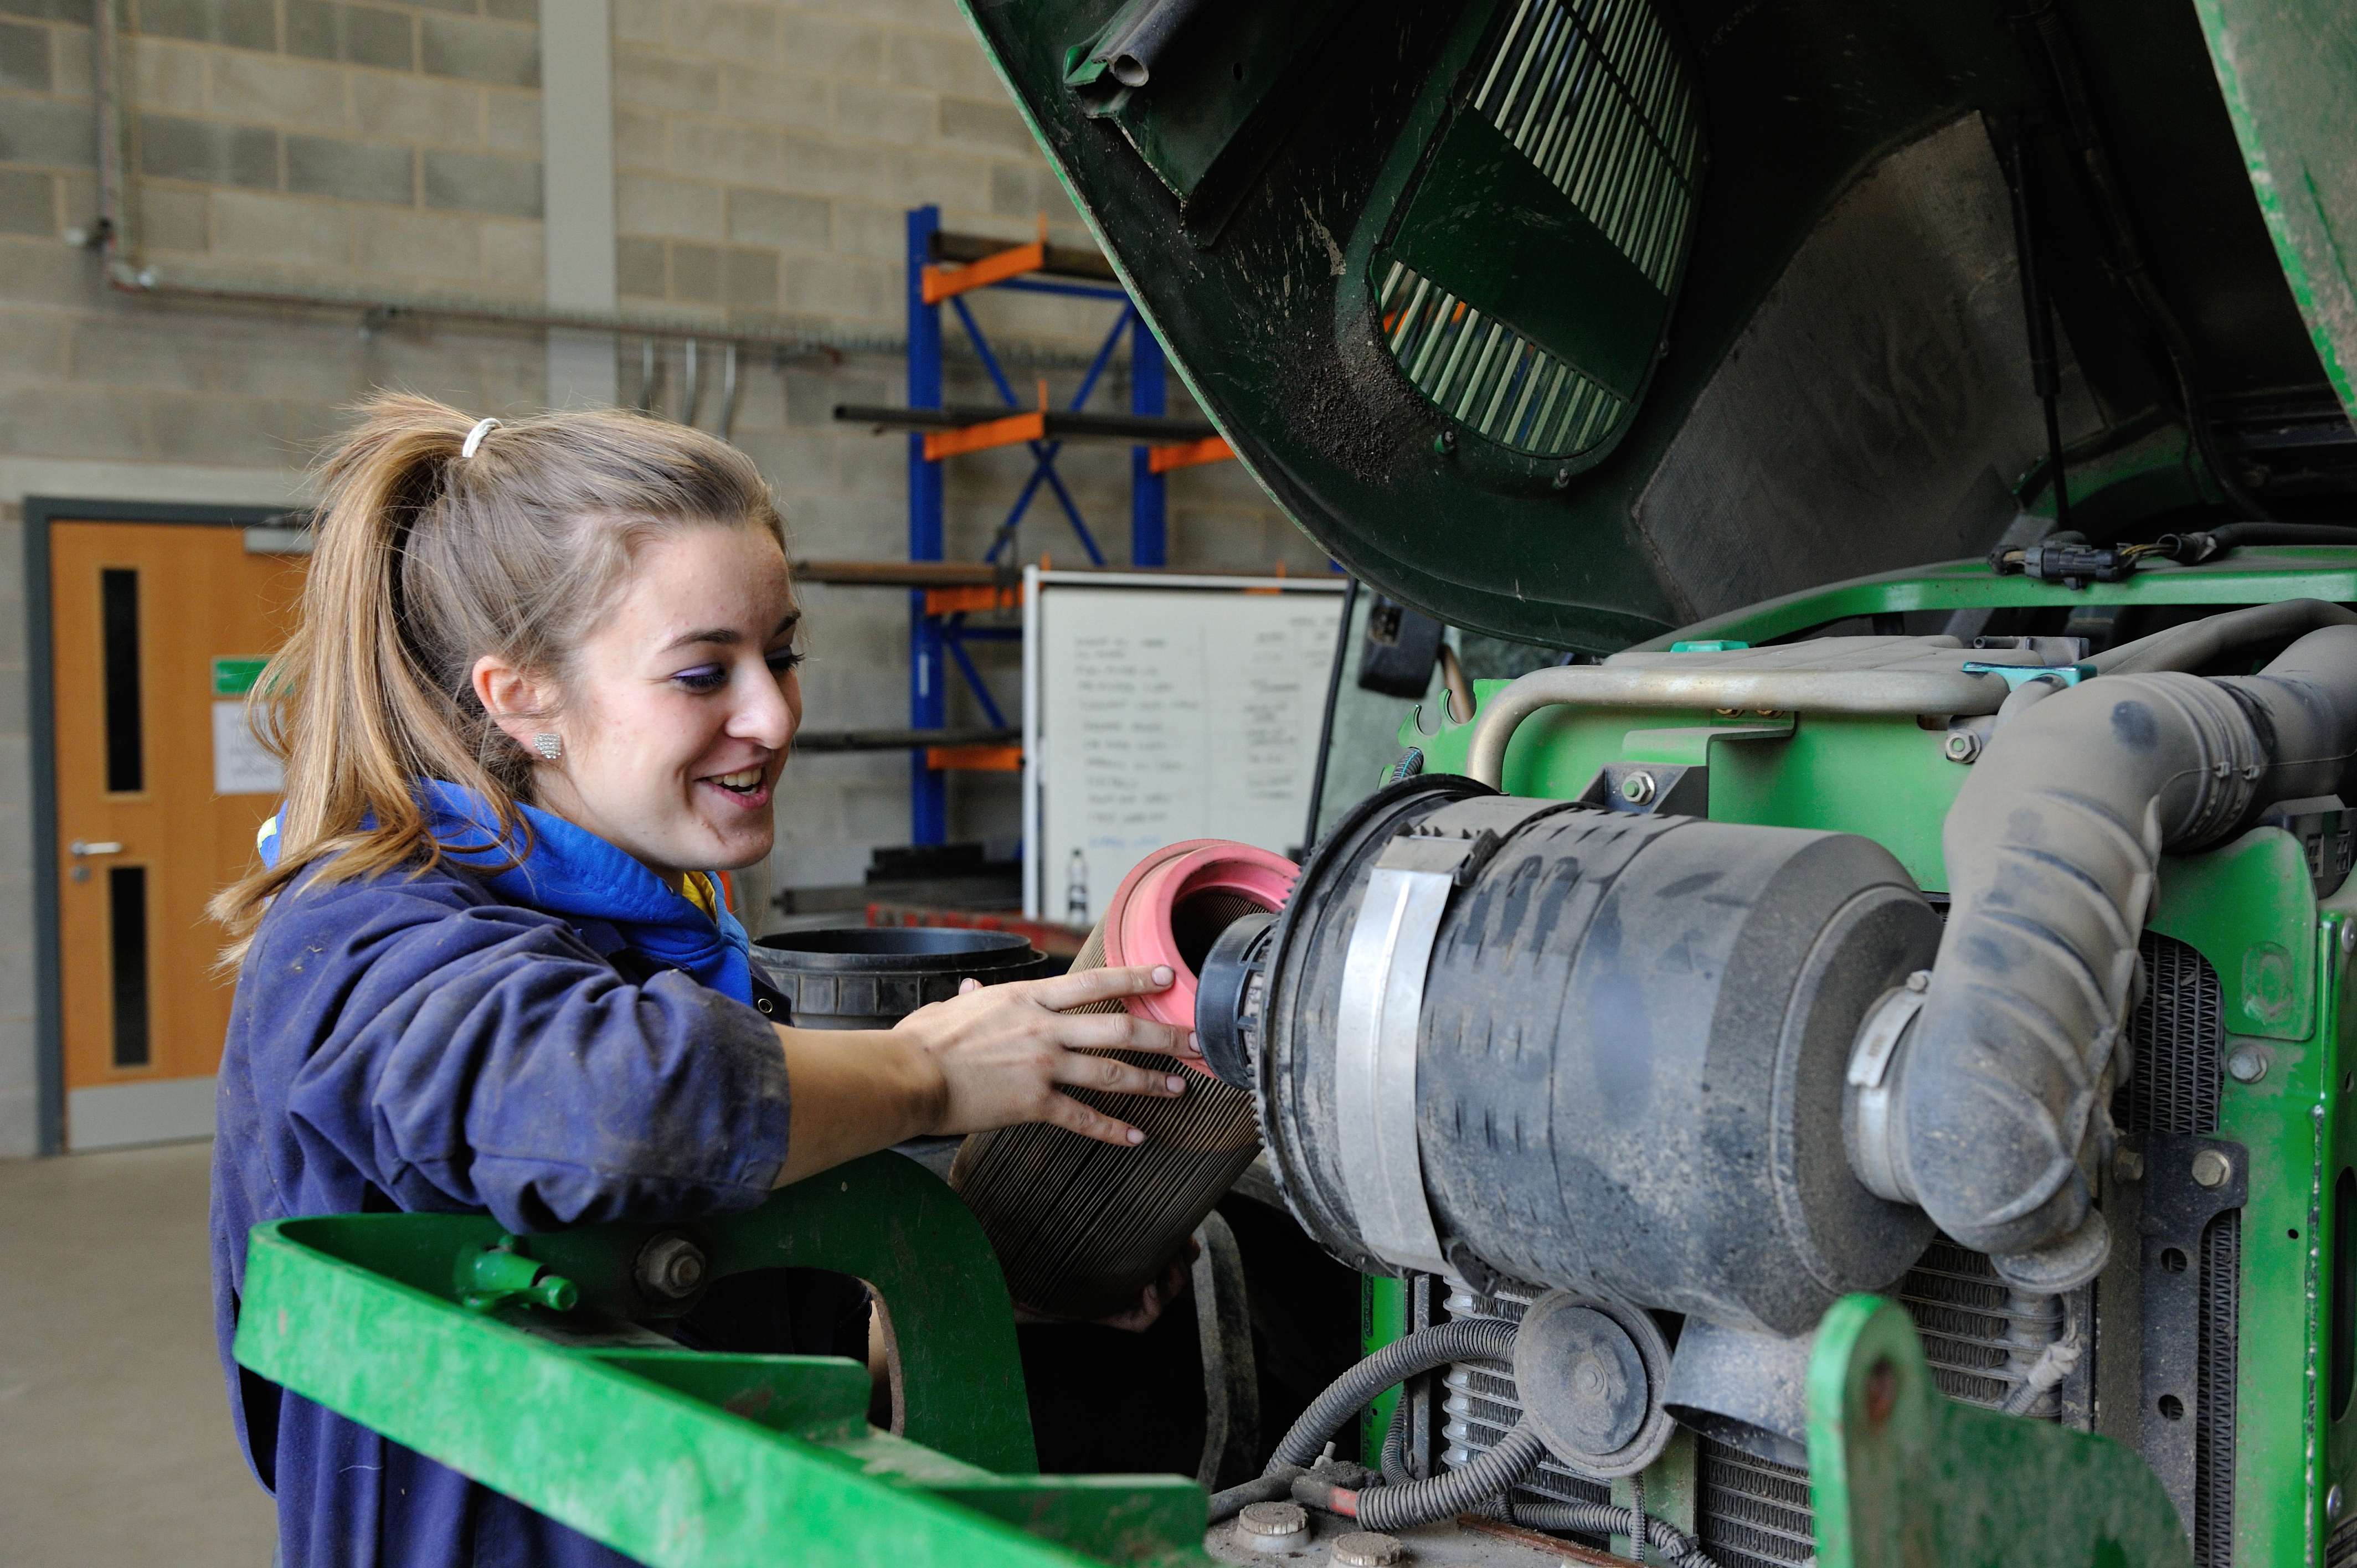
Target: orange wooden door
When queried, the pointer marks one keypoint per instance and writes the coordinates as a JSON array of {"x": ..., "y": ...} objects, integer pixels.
[{"x": 157, "y": 629}]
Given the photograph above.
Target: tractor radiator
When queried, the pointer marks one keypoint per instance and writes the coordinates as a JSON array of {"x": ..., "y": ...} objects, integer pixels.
[{"x": 1755, "y": 1514}]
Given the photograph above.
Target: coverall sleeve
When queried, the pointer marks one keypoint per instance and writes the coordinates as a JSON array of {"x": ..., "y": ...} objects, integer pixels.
[{"x": 475, "y": 1055}]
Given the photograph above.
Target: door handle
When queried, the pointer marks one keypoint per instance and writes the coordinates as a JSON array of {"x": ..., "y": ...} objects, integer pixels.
[{"x": 80, "y": 847}]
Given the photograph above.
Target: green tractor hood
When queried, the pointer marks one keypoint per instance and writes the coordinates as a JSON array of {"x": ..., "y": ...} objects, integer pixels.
[{"x": 1570, "y": 321}]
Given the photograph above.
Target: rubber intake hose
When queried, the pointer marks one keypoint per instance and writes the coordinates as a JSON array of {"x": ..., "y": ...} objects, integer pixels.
[
  {"x": 1466, "y": 1339},
  {"x": 2002, "y": 1081},
  {"x": 1445, "y": 1496},
  {"x": 1608, "y": 1519}
]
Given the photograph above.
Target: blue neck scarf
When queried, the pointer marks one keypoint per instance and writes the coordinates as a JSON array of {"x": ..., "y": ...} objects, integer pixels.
[{"x": 574, "y": 874}]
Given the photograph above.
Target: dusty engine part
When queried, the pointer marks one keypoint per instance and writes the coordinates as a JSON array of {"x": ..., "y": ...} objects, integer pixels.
[
  {"x": 1744, "y": 1389},
  {"x": 1082, "y": 1226},
  {"x": 1998, "y": 1089},
  {"x": 871, "y": 978},
  {"x": 1520, "y": 1038},
  {"x": 1592, "y": 1375}
]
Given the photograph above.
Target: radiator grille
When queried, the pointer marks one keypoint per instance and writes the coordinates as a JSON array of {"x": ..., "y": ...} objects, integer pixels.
[
  {"x": 1755, "y": 1513},
  {"x": 1593, "y": 93},
  {"x": 2213, "y": 1439},
  {"x": 2179, "y": 1076}
]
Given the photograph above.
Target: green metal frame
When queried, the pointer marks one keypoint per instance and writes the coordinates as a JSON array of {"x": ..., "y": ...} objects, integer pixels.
[
  {"x": 687, "y": 1460},
  {"x": 1902, "y": 1477}
]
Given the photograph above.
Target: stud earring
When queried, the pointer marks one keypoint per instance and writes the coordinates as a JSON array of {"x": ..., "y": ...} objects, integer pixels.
[{"x": 548, "y": 746}]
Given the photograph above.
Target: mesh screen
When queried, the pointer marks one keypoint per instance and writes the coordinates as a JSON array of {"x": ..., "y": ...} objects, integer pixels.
[{"x": 1592, "y": 92}]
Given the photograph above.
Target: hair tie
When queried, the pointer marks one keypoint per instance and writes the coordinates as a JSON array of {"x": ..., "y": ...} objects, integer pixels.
[{"x": 475, "y": 438}]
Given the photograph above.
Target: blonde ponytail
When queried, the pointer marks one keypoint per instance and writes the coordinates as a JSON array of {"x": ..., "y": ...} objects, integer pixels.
[{"x": 428, "y": 559}]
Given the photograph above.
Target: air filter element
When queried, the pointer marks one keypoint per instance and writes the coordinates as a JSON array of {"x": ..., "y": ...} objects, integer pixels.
[{"x": 1081, "y": 1227}]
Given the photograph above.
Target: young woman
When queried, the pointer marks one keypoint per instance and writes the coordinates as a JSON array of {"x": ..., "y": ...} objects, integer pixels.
[{"x": 542, "y": 685}]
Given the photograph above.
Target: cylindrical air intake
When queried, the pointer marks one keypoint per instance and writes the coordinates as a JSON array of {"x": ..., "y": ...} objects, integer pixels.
[
  {"x": 872, "y": 977},
  {"x": 1593, "y": 1049},
  {"x": 1081, "y": 1227}
]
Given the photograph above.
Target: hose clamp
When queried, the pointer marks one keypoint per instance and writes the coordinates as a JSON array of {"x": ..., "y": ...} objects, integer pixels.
[{"x": 1869, "y": 1122}]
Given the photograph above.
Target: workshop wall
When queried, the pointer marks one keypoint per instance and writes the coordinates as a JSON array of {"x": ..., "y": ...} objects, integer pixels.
[{"x": 765, "y": 156}]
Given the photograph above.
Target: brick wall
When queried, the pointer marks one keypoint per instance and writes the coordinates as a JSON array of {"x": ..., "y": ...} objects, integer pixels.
[{"x": 765, "y": 157}]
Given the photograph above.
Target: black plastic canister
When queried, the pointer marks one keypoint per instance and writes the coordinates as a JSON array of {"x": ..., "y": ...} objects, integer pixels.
[{"x": 871, "y": 977}]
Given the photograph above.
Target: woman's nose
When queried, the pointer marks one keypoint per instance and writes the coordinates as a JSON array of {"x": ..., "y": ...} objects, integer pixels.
[{"x": 766, "y": 716}]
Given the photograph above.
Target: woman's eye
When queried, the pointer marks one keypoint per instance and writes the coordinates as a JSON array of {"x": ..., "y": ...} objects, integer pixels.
[
  {"x": 703, "y": 677},
  {"x": 783, "y": 659}
]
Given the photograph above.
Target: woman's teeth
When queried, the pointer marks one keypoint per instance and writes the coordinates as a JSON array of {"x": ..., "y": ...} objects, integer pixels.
[{"x": 748, "y": 779}]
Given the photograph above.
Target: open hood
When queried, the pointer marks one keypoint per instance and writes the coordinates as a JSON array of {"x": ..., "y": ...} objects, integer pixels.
[{"x": 1570, "y": 321}]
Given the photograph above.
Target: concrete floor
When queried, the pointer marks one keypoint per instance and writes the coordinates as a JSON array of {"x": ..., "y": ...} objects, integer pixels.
[{"x": 115, "y": 1449}]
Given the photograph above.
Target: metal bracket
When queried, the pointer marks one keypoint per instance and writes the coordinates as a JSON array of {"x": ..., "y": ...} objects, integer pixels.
[
  {"x": 2188, "y": 1182},
  {"x": 1376, "y": 1029},
  {"x": 2016, "y": 676}
]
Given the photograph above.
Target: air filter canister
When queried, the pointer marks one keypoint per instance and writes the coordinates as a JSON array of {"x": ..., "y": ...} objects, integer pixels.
[
  {"x": 1594, "y": 1049},
  {"x": 1082, "y": 1226}
]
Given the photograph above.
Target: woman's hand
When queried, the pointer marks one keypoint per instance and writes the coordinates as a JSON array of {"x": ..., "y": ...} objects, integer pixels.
[
  {"x": 1005, "y": 1052},
  {"x": 990, "y": 1057}
]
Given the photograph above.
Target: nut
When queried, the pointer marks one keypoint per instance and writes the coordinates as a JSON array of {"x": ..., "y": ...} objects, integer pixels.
[
  {"x": 1365, "y": 1549},
  {"x": 1278, "y": 1524},
  {"x": 2127, "y": 1165},
  {"x": 671, "y": 1266},
  {"x": 1963, "y": 746},
  {"x": 2211, "y": 1168},
  {"x": 1637, "y": 789},
  {"x": 2247, "y": 1064}
]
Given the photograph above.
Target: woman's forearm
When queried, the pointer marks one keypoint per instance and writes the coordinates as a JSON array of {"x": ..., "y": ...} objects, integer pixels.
[{"x": 853, "y": 1091}]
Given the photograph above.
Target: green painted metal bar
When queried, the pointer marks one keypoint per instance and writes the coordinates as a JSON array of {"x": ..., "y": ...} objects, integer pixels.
[
  {"x": 683, "y": 1460},
  {"x": 2253, "y": 574},
  {"x": 1902, "y": 1477}
]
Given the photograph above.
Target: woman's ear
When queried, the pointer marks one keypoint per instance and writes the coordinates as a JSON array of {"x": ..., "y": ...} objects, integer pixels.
[{"x": 511, "y": 698}]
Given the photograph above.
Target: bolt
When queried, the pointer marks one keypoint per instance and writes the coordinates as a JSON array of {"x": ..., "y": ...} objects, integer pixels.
[
  {"x": 2247, "y": 1064},
  {"x": 1637, "y": 789},
  {"x": 1445, "y": 443},
  {"x": 1563, "y": 478},
  {"x": 1881, "y": 1392},
  {"x": 2211, "y": 1168},
  {"x": 2332, "y": 1500},
  {"x": 1276, "y": 1524},
  {"x": 2349, "y": 936},
  {"x": 1365, "y": 1549},
  {"x": 2127, "y": 1165},
  {"x": 671, "y": 1266},
  {"x": 1920, "y": 980},
  {"x": 1964, "y": 745}
]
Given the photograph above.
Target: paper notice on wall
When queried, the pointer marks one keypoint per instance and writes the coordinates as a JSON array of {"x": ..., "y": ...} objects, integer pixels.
[{"x": 240, "y": 765}]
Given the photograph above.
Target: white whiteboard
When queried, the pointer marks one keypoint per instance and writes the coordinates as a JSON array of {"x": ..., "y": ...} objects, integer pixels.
[{"x": 1157, "y": 709}]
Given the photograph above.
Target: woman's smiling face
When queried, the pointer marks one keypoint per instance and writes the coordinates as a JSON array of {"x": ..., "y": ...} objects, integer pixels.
[{"x": 679, "y": 707}]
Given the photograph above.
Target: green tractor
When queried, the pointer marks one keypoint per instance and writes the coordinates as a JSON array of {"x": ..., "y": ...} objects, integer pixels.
[{"x": 1824, "y": 1025}]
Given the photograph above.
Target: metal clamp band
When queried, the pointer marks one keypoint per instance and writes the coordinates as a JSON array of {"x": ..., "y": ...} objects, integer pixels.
[
  {"x": 1869, "y": 1087},
  {"x": 1375, "y": 1059}
]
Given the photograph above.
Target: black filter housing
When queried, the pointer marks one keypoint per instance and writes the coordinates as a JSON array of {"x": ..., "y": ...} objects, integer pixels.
[
  {"x": 871, "y": 977},
  {"x": 1632, "y": 1047}
]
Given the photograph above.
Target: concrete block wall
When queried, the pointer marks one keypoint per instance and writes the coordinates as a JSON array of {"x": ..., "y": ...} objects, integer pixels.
[{"x": 765, "y": 157}]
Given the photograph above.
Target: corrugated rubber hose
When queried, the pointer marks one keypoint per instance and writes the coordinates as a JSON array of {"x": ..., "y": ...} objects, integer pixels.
[
  {"x": 1456, "y": 1492},
  {"x": 1466, "y": 1339}
]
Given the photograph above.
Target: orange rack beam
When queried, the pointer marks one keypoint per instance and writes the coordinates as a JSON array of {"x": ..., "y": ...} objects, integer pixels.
[
  {"x": 1162, "y": 459},
  {"x": 951, "y": 601},
  {"x": 940, "y": 283},
  {"x": 1012, "y": 431},
  {"x": 975, "y": 759}
]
